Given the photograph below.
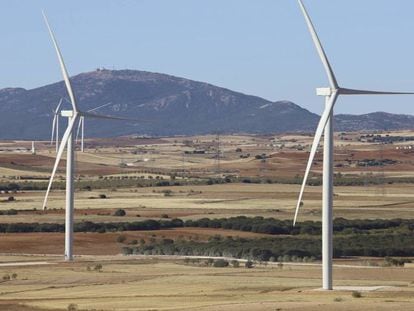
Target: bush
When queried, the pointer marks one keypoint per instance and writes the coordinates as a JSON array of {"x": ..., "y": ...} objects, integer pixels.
[
  {"x": 356, "y": 294},
  {"x": 98, "y": 267},
  {"x": 220, "y": 263},
  {"x": 235, "y": 263},
  {"x": 14, "y": 276},
  {"x": 120, "y": 212},
  {"x": 72, "y": 307},
  {"x": 249, "y": 264},
  {"x": 121, "y": 238},
  {"x": 10, "y": 199},
  {"x": 102, "y": 196},
  {"x": 127, "y": 251}
]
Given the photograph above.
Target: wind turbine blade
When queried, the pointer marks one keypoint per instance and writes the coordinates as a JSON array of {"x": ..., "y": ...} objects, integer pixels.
[
  {"x": 364, "y": 92},
  {"x": 57, "y": 133},
  {"x": 78, "y": 130},
  {"x": 99, "y": 107},
  {"x": 318, "y": 135},
  {"x": 322, "y": 55},
  {"x": 62, "y": 65},
  {"x": 59, "y": 154},
  {"x": 58, "y": 106},
  {"x": 102, "y": 116},
  {"x": 53, "y": 128}
]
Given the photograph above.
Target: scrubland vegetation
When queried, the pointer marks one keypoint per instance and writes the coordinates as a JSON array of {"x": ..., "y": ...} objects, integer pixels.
[{"x": 377, "y": 238}]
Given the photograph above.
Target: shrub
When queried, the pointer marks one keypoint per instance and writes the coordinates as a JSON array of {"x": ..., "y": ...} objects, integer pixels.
[
  {"x": 14, "y": 276},
  {"x": 120, "y": 212},
  {"x": 235, "y": 263},
  {"x": 10, "y": 199},
  {"x": 164, "y": 216},
  {"x": 6, "y": 277},
  {"x": 98, "y": 267},
  {"x": 72, "y": 307},
  {"x": 121, "y": 238},
  {"x": 102, "y": 196},
  {"x": 249, "y": 264},
  {"x": 356, "y": 294},
  {"x": 127, "y": 251},
  {"x": 220, "y": 263}
]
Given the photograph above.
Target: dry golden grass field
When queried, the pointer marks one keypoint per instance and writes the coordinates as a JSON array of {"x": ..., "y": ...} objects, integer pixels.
[
  {"x": 129, "y": 283},
  {"x": 153, "y": 284}
]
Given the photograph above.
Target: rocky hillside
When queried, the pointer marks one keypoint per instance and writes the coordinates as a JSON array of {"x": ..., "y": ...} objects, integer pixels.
[{"x": 167, "y": 105}]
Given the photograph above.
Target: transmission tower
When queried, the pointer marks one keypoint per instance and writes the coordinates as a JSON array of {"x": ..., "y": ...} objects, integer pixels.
[{"x": 218, "y": 153}]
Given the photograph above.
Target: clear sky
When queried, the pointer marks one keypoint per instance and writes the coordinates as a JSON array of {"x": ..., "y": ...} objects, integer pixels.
[{"x": 257, "y": 47}]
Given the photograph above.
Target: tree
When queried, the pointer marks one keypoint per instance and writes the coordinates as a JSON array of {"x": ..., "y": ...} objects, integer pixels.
[
  {"x": 121, "y": 238},
  {"x": 120, "y": 212},
  {"x": 220, "y": 263},
  {"x": 235, "y": 263},
  {"x": 249, "y": 264},
  {"x": 72, "y": 307},
  {"x": 98, "y": 267}
]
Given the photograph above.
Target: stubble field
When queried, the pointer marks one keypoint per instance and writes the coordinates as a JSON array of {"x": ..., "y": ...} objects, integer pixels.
[{"x": 121, "y": 174}]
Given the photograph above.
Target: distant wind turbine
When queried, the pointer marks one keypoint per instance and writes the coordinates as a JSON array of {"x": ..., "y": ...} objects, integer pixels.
[
  {"x": 68, "y": 142},
  {"x": 331, "y": 94},
  {"x": 81, "y": 125},
  {"x": 55, "y": 125}
]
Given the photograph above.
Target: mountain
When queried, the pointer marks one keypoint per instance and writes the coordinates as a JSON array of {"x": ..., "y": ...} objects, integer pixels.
[
  {"x": 167, "y": 105},
  {"x": 373, "y": 121}
]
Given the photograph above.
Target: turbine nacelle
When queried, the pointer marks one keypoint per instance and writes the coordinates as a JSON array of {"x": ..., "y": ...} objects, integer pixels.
[
  {"x": 324, "y": 91},
  {"x": 67, "y": 113}
]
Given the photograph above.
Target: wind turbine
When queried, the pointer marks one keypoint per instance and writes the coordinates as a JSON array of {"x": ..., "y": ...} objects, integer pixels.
[
  {"x": 325, "y": 125},
  {"x": 81, "y": 125},
  {"x": 68, "y": 143},
  {"x": 55, "y": 125}
]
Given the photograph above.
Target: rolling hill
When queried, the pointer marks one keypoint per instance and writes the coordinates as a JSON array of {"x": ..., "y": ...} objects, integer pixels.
[{"x": 167, "y": 105}]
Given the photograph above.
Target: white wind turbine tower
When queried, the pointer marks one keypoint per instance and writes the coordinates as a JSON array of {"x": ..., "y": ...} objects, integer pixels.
[
  {"x": 55, "y": 125},
  {"x": 68, "y": 142},
  {"x": 81, "y": 125},
  {"x": 325, "y": 125}
]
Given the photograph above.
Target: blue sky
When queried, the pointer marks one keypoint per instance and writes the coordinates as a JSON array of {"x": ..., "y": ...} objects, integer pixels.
[{"x": 256, "y": 47}]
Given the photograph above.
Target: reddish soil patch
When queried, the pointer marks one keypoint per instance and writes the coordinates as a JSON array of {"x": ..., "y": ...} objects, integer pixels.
[
  {"x": 123, "y": 142},
  {"x": 103, "y": 243}
]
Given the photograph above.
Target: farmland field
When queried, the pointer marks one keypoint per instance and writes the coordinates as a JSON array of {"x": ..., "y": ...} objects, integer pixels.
[
  {"x": 154, "y": 284},
  {"x": 193, "y": 178}
]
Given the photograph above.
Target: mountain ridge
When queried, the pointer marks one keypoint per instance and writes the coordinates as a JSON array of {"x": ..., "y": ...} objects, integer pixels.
[{"x": 172, "y": 106}]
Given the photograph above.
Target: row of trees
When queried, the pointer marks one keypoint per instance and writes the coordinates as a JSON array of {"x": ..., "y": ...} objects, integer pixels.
[
  {"x": 241, "y": 223},
  {"x": 280, "y": 249},
  {"x": 339, "y": 180}
]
